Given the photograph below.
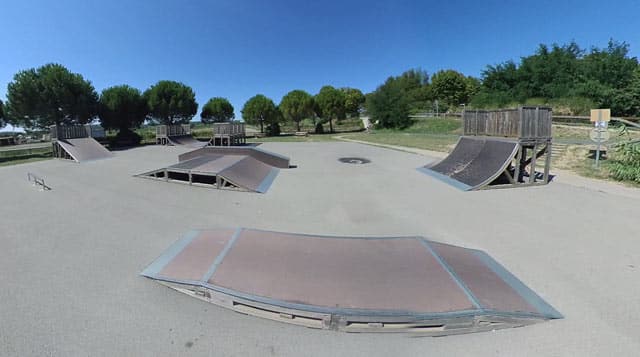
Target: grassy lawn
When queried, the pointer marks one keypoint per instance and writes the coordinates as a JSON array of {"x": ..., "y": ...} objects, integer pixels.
[
  {"x": 437, "y": 134},
  {"x": 14, "y": 157}
]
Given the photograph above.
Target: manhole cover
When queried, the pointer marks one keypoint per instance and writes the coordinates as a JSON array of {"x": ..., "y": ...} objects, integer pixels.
[{"x": 354, "y": 160}]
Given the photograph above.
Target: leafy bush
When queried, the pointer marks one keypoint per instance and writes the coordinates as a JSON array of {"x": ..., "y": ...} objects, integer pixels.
[
  {"x": 319, "y": 128},
  {"x": 125, "y": 138},
  {"x": 273, "y": 129},
  {"x": 625, "y": 165}
]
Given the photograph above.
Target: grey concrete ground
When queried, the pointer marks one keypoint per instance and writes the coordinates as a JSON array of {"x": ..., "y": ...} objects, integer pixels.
[{"x": 70, "y": 257}]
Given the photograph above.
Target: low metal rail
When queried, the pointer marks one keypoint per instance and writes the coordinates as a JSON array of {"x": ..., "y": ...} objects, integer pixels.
[{"x": 37, "y": 181}]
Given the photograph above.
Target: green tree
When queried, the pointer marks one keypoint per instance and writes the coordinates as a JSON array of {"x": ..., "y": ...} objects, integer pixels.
[
  {"x": 217, "y": 110},
  {"x": 122, "y": 107},
  {"x": 50, "y": 95},
  {"x": 296, "y": 105},
  {"x": 171, "y": 102},
  {"x": 453, "y": 87},
  {"x": 331, "y": 104},
  {"x": 353, "y": 101},
  {"x": 392, "y": 102},
  {"x": 260, "y": 110}
]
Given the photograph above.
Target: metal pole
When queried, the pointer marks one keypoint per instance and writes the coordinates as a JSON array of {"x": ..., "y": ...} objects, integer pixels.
[{"x": 598, "y": 150}]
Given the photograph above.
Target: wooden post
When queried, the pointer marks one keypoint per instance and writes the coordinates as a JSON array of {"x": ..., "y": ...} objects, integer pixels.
[
  {"x": 547, "y": 162},
  {"x": 532, "y": 173}
]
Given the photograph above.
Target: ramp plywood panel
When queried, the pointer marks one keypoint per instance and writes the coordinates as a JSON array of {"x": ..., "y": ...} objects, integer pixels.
[
  {"x": 487, "y": 287},
  {"x": 250, "y": 174},
  {"x": 385, "y": 284},
  {"x": 383, "y": 274},
  {"x": 194, "y": 261},
  {"x": 84, "y": 149}
]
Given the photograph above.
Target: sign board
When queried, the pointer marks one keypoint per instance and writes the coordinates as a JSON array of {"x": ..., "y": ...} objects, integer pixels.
[
  {"x": 600, "y": 115},
  {"x": 599, "y": 135}
]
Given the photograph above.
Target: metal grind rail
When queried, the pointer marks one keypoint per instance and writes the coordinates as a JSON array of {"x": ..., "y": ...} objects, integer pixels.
[{"x": 38, "y": 181}]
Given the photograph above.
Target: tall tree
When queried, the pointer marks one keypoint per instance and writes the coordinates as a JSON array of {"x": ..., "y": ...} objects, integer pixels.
[
  {"x": 453, "y": 87},
  {"x": 297, "y": 105},
  {"x": 353, "y": 101},
  {"x": 392, "y": 102},
  {"x": 259, "y": 110},
  {"x": 331, "y": 103},
  {"x": 122, "y": 107},
  {"x": 171, "y": 102},
  {"x": 217, "y": 110},
  {"x": 50, "y": 95}
]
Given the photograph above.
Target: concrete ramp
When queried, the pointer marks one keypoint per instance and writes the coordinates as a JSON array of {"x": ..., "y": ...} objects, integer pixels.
[
  {"x": 353, "y": 284},
  {"x": 83, "y": 149},
  {"x": 475, "y": 162},
  {"x": 186, "y": 140}
]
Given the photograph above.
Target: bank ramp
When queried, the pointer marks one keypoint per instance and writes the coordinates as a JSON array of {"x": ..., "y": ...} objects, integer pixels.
[
  {"x": 81, "y": 149},
  {"x": 475, "y": 163},
  {"x": 352, "y": 284}
]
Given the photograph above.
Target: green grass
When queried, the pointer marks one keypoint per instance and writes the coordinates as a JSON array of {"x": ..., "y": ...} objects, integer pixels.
[
  {"x": 14, "y": 157},
  {"x": 294, "y": 139},
  {"x": 437, "y": 134},
  {"x": 434, "y": 142}
]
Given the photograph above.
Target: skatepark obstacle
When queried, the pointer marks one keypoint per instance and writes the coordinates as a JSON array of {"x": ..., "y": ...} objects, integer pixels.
[
  {"x": 177, "y": 135},
  {"x": 228, "y": 134},
  {"x": 352, "y": 284},
  {"x": 74, "y": 142},
  {"x": 499, "y": 148},
  {"x": 236, "y": 168}
]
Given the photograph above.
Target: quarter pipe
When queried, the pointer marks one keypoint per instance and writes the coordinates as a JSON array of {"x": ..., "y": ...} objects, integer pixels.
[{"x": 475, "y": 162}]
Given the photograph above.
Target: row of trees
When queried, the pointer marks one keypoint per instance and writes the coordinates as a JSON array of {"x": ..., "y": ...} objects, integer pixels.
[
  {"x": 52, "y": 95},
  {"x": 567, "y": 77},
  {"x": 328, "y": 105},
  {"x": 391, "y": 103}
]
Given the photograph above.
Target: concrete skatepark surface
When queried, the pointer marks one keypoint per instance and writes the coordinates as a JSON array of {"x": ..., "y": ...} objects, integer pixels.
[{"x": 71, "y": 256}]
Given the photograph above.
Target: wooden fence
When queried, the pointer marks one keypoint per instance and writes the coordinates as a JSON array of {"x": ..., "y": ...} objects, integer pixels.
[
  {"x": 163, "y": 131},
  {"x": 522, "y": 122}
]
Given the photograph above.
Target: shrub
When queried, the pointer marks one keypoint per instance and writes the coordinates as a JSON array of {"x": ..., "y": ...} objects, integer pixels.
[{"x": 625, "y": 165}]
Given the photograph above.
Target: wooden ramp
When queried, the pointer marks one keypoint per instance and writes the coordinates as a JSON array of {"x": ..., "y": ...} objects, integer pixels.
[
  {"x": 353, "y": 284},
  {"x": 186, "y": 140},
  {"x": 81, "y": 149},
  {"x": 244, "y": 169}
]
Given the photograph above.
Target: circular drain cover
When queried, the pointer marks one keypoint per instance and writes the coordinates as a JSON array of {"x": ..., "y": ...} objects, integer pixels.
[{"x": 354, "y": 160}]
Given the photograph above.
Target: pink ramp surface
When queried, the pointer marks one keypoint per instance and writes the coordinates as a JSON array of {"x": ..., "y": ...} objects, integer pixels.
[{"x": 350, "y": 283}]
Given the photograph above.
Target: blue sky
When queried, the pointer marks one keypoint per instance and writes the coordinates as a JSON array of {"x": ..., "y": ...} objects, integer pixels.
[{"x": 236, "y": 49}]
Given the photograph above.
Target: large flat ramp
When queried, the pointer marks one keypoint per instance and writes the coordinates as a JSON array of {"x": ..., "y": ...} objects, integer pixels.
[
  {"x": 354, "y": 284},
  {"x": 186, "y": 140},
  {"x": 475, "y": 162},
  {"x": 84, "y": 149}
]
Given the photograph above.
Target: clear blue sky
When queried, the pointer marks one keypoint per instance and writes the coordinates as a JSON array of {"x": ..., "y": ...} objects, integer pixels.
[{"x": 236, "y": 49}]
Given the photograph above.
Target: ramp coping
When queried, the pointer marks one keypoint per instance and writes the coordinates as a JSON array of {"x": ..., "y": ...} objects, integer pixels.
[
  {"x": 453, "y": 275},
  {"x": 220, "y": 257},
  {"x": 518, "y": 286},
  {"x": 266, "y": 183},
  {"x": 154, "y": 268}
]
